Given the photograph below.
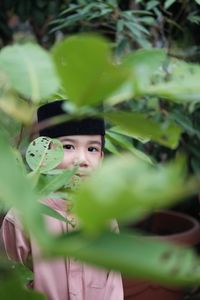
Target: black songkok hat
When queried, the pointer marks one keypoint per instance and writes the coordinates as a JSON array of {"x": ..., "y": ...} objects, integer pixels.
[{"x": 85, "y": 126}]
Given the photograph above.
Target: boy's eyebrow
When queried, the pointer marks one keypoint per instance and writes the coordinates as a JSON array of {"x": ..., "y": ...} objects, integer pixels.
[
  {"x": 65, "y": 139},
  {"x": 95, "y": 142}
]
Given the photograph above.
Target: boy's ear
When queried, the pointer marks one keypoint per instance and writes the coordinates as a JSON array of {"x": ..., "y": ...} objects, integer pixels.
[{"x": 102, "y": 154}]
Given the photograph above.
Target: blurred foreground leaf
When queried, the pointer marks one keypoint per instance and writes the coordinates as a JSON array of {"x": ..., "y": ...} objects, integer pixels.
[
  {"x": 11, "y": 289},
  {"x": 181, "y": 83},
  {"x": 55, "y": 182},
  {"x": 19, "y": 110},
  {"x": 17, "y": 191},
  {"x": 144, "y": 63},
  {"x": 133, "y": 255},
  {"x": 134, "y": 124},
  {"x": 131, "y": 189},
  {"x": 29, "y": 70},
  {"x": 86, "y": 69}
]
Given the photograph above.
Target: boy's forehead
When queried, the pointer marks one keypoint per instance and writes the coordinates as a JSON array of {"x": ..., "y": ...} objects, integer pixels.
[{"x": 82, "y": 138}]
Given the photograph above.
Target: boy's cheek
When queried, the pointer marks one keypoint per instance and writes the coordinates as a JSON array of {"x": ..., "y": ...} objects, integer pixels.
[
  {"x": 64, "y": 165},
  {"x": 98, "y": 162}
]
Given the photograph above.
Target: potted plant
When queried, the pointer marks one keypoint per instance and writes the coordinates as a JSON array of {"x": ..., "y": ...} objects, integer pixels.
[{"x": 171, "y": 226}]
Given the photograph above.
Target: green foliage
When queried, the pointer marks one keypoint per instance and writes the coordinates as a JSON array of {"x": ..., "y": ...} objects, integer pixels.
[
  {"x": 168, "y": 3},
  {"x": 181, "y": 83},
  {"x": 88, "y": 74},
  {"x": 11, "y": 289},
  {"x": 21, "y": 195},
  {"x": 44, "y": 154},
  {"x": 13, "y": 278},
  {"x": 137, "y": 124},
  {"x": 126, "y": 187},
  {"x": 144, "y": 64},
  {"x": 26, "y": 75},
  {"x": 53, "y": 183},
  {"x": 124, "y": 26},
  {"x": 132, "y": 189},
  {"x": 126, "y": 144},
  {"x": 134, "y": 255}
]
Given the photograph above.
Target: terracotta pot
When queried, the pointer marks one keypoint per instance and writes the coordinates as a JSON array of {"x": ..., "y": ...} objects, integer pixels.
[{"x": 170, "y": 226}]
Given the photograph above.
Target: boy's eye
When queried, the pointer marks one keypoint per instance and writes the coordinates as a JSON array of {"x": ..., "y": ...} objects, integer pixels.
[
  {"x": 93, "y": 149},
  {"x": 68, "y": 147}
]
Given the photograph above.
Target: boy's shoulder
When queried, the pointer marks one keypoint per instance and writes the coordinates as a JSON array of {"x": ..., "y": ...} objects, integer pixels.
[{"x": 13, "y": 217}]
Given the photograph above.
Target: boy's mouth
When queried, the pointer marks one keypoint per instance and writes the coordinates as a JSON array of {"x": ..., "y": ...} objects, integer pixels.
[{"x": 82, "y": 174}]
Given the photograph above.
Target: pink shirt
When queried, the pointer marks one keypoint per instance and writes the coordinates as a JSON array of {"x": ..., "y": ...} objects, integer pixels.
[{"x": 63, "y": 278}]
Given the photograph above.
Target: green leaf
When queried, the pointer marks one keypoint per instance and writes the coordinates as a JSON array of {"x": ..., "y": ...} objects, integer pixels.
[
  {"x": 44, "y": 154},
  {"x": 86, "y": 69},
  {"x": 133, "y": 255},
  {"x": 119, "y": 130},
  {"x": 143, "y": 64},
  {"x": 55, "y": 182},
  {"x": 30, "y": 70},
  {"x": 179, "y": 82},
  {"x": 72, "y": 7},
  {"x": 152, "y": 4},
  {"x": 169, "y": 3},
  {"x": 194, "y": 19},
  {"x": 127, "y": 145},
  {"x": 113, "y": 3},
  {"x": 109, "y": 145},
  {"x": 12, "y": 289},
  {"x": 21, "y": 196},
  {"x": 21, "y": 111},
  {"x": 24, "y": 273},
  {"x": 137, "y": 124},
  {"x": 185, "y": 121},
  {"x": 148, "y": 20},
  {"x": 125, "y": 92},
  {"x": 47, "y": 210},
  {"x": 197, "y": 1},
  {"x": 131, "y": 189}
]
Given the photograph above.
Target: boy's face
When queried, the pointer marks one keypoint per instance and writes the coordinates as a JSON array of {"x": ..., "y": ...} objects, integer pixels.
[{"x": 84, "y": 151}]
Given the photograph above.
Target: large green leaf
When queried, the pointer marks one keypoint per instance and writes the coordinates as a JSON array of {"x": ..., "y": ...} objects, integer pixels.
[
  {"x": 138, "y": 124},
  {"x": 86, "y": 69},
  {"x": 30, "y": 70},
  {"x": 19, "y": 110},
  {"x": 153, "y": 74},
  {"x": 127, "y": 188},
  {"x": 180, "y": 82},
  {"x": 125, "y": 92},
  {"x": 11, "y": 289},
  {"x": 133, "y": 255},
  {"x": 144, "y": 63},
  {"x": 17, "y": 191}
]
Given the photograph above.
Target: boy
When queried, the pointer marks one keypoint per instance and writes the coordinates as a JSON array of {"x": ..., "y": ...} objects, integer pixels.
[{"x": 65, "y": 278}]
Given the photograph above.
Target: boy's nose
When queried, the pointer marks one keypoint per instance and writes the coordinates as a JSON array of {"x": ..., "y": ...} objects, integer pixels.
[
  {"x": 81, "y": 160},
  {"x": 83, "y": 164}
]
